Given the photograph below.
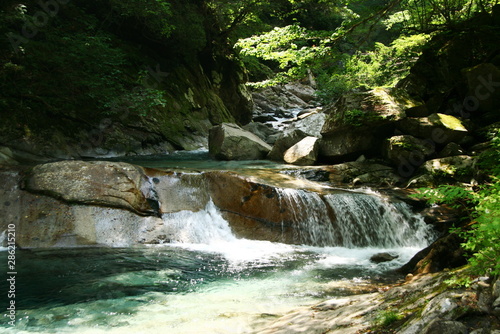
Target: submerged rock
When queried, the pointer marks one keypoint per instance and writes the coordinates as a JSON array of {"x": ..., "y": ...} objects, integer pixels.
[
  {"x": 383, "y": 257},
  {"x": 230, "y": 142}
]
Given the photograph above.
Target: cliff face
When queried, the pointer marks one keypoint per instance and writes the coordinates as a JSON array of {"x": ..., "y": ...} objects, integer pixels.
[{"x": 88, "y": 78}]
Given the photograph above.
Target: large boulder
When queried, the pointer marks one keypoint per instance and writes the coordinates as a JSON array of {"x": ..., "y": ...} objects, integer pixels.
[
  {"x": 406, "y": 149},
  {"x": 441, "y": 129},
  {"x": 100, "y": 183},
  {"x": 436, "y": 171},
  {"x": 230, "y": 142},
  {"x": 303, "y": 153},
  {"x": 483, "y": 83},
  {"x": 283, "y": 143},
  {"x": 310, "y": 123},
  {"x": 456, "y": 166},
  {"x": 359, "y": 121},
  {"x": 304, "y": 92},
  {"x": 254, "y": 210}
]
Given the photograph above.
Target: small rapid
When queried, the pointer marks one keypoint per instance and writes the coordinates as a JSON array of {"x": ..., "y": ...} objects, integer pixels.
[{"x": 198, "y": 276}]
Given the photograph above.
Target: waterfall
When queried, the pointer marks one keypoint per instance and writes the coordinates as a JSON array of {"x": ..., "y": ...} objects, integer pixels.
[
  {"x": 362, "y": 218},
  {"x": 202, "y": 227},
  {"x": 368, "y": 220},
  {"x": 309, "y": 217},
  {"x": 354, "y": 219}
]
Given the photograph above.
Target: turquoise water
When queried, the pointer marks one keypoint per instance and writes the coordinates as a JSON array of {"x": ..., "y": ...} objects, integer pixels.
[
  {"x": 230, "y": 287},
  {"x": 209, "y": 281},
  {"x": 196, "y": 160}
]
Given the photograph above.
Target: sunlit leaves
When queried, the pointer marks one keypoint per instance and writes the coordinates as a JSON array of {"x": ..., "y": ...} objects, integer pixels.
[
  {"x": 291, "y": 47},
  {"x": 483, "y": 240}
]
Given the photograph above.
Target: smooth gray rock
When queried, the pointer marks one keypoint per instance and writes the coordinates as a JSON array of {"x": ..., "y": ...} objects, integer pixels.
[
  {"x": 287, "y": 140},
  {"x": 303, "y": 153},
  {"x": 112, "y": 184},
  {"x": 230, "y": 142}
]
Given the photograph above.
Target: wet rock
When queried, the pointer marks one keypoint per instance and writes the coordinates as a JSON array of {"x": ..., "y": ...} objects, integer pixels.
[
  {"x": 383, "y": 257},
  {"x": 303, "y": 153},
  {"x": 446, "y": 252},
  {"x": 365, "y": 172},
  {"x": 178, "y": 191},
  {"x": 230, "y": 142},
  {"x": 254, "y": 210},
  {"x": 318, "y": 175},
  {"x": 109, "y": 184},
  {"x": 264, "y": 118}
]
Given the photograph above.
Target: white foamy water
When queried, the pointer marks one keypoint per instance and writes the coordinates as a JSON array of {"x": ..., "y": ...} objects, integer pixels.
[{"x": 206, "y": 280}]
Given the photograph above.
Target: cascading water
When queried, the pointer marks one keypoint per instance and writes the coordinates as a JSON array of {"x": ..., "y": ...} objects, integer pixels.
[
  {"x": 354, "y": 219},
  {"x": 370, "y": 220},
  {"x": 310, "y": 219},
  {"x": 203, "y": 279},
  {"x": 203, "y": 227}
]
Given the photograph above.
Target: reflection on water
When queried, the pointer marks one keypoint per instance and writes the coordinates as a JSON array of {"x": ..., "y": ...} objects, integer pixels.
[{"x": 224, "y": 287}]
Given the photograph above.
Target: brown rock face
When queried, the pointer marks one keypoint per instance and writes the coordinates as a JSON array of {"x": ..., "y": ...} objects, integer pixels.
[
  {"x": 254, "y": 210},
  {"x": 91, "y": 183}
]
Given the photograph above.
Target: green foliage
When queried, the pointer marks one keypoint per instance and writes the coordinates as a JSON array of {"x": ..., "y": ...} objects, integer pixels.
[
  {"x": 287, "y": 47},
  {"x": 73, "y": 68},
  {"x": 432, "y": 15},
  {"x": 140, "y": 101},
  {"x": 459, "y": 281},
  {"x": 383, "y": 66},
  {"x": 354, "y": 117},
  {"x": 483, "y": 208},
  {"x": 387, "y": 317},
  {"x": 154, "y": 14},
  {"x": 483, "y": 241}
]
